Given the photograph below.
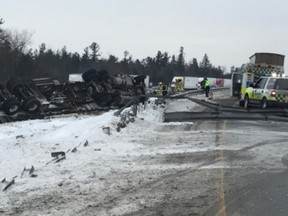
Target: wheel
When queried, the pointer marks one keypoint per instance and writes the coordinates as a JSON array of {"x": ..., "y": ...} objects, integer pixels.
[
  {"x": 31, "y": 104},
  {"x": 246, "y": 102},
  {"x": 103, "y": 75},
  {"x": 13, "y": 83},
  {"x": 264, "y": 103},
  {"x": 11, "y": 106},
  {"x": 89, "y": 75}
]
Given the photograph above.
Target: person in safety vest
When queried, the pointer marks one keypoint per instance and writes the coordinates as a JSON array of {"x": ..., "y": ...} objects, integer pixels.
[
  {"x": 206, "y": 86},
  {"x": 160, "y": 89}
]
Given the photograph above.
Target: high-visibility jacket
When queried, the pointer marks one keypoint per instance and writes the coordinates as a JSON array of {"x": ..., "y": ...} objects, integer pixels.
[
  {"x": 160, "y": 90},
  {"x": 207, "y": 83}
]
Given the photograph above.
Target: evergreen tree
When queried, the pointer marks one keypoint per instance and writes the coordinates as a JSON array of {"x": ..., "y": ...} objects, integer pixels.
[
  {"x": 181, "y": 62},
  {"x": 112, "y": 59},
  {"x": 205, "y": 62},
  {"x": 193, "y": 68},
  {"x": 42, "y": 49},
  {"x": 85, "y": 57},
  {"x": 95, "y": 52}
]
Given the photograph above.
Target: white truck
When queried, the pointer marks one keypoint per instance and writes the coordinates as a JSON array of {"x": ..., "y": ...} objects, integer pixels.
[{"x": 190, "y": 83}]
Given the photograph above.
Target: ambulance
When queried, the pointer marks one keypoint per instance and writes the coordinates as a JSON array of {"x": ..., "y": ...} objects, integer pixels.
[{"x": 261, "y": 82}]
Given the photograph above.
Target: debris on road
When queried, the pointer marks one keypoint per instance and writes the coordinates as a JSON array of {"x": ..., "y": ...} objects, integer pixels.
[
  {"x": 9, "y": 184},
  {"x": 31, "y": 172},
  {"x": 56, "y": 154},
  {"x": 106, "y": 130},
  {"x": 86, "y": 143},
  {"x": 19, "y": 136},
  {"x": 97, "y": 149},
  {"x": 60, "y": 159}
]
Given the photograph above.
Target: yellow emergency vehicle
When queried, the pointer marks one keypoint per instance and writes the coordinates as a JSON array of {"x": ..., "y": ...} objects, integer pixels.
[
  {"x": 267, "y": 91},
  {"x": 253, "y": 82}
]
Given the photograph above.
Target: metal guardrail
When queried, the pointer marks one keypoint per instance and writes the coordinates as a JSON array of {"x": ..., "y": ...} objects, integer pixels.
[
  {"x": 225, "y": 112},
  {"x": 197, "y": 92},
  {"x": 192, "y": 116},
  {"x": 222, "y": 108}
]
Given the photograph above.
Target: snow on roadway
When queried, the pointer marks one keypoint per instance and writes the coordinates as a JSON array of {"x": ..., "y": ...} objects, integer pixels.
[
  {"x": 28, "y": 143},
  {"x": 184, "y": 105}
]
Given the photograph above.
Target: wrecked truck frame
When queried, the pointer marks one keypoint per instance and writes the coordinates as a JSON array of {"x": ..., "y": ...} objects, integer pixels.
[{"x": 43, "y": 97}]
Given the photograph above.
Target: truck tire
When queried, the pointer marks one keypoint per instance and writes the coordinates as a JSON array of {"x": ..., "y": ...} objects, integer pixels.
[
  {"x": 13, "y": 83},
  {"x": 11, "y": 106},
  {"x": 31, "y": 105},
  {"x": 264, "y": 103},
  {"x": 89, "y": 75},
  {"x": 246, "y": 102},
  {"x": 103, "y": 75}
]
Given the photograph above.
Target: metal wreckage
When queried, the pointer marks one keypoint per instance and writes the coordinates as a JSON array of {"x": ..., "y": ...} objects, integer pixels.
[{"x": 37, "y": 98}]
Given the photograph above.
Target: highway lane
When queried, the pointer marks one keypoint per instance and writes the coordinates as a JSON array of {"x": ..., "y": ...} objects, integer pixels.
[{"x": 236, "y": 170}]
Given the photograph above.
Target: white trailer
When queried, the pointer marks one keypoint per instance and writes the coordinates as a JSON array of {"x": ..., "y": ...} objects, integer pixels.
[
  {"x": 191, "y": 82},
  {"x": 76, "y": 77}
]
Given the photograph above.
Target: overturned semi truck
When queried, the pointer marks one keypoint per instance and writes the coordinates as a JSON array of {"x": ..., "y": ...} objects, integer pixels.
[{"x": 46, "y": 96}]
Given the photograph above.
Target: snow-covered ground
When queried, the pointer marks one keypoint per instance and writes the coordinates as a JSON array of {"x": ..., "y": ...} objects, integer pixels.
[
  {"x": 30, "y": 143},
  {"x": 103, "y": 162}
]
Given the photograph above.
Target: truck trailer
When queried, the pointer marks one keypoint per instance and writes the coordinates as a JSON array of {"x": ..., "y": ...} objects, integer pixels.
[{"x": 188, "y": 82}]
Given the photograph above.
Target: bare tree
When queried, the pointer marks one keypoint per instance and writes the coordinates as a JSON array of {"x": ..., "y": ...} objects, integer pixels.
[
  {"x": 19, "y": 40},
  {"x": 3, "y": 33}
]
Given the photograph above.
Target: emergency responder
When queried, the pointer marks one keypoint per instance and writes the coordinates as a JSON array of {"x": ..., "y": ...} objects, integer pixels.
[
  {"x": 177, "y": 89},
  {"x": 160, "y": 89},
  {"x": 206, "y": 86},
  {"x": 179, "y": 85}
]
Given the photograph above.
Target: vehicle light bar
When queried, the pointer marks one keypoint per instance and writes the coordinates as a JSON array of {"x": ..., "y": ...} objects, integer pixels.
[{"x": 273, "y": 94}]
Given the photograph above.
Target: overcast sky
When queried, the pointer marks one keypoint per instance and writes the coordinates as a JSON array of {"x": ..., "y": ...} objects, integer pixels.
[{"x": 229, "y": 31}]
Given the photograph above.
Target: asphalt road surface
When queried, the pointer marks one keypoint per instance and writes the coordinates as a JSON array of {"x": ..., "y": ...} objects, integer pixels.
[
  {"x": 205, "y": 168},
  {"x": 239, "y": 172}
]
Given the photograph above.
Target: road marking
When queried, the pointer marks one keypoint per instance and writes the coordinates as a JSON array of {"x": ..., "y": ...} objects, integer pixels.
[{"x": 221, "y": 190}]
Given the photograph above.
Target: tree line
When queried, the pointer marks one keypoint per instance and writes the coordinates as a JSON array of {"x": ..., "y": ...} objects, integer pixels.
[{"x": 16, "y": 59}]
